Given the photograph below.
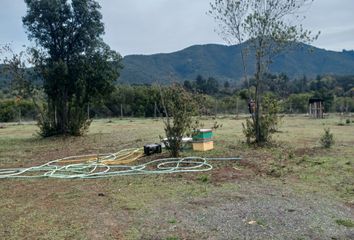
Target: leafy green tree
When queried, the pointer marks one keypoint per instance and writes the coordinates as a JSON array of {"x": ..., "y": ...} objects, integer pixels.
[
  {"x": 344, "y": 104},
  {"x": 200, "y": 83},
  {"x": 76, "y": 66},
  {"x": 188, "y": 85},
  {"x": 266, "y": 27},
  {"x": 278, "y": 84},
  {"x": 9, "y": 109},
  {"x": 297, "y": 103},
  {"x": 212, "y": 86},
  {"x": 324, "y": 88},
  {"x": 302, "y": 85},
  {"x": 226, "y": 84},
  {"x": 327, "y": 96}
]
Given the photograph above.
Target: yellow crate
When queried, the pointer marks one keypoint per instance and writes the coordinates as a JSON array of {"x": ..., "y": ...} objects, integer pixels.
[{"x": 203, "y": 146}]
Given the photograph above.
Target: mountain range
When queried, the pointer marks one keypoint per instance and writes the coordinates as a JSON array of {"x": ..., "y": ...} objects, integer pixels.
[{"x": 224, "y": 63}]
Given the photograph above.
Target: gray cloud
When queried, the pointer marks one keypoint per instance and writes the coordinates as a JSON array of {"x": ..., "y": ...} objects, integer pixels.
[
  {"x": 11, "y": 30},
  {"x": 335, "y": 20},
  {"x": 157, "y": 25},
  {"x": 153, "y": 26}
]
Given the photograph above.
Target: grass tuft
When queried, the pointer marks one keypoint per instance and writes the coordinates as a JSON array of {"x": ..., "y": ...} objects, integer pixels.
[{"x": 345, "y": 222}]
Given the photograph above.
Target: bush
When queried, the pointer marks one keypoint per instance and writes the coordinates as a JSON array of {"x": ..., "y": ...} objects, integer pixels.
[
  {"x": 179, "y": 108},
  {"x": 9, "y": 110},
  {"x": 269, "y": 122},
  {"x": 327, "y": 139},
  {"x": 203, "y": 178}
]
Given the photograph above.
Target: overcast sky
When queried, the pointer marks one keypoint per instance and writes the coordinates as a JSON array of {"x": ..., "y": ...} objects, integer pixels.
[{"x": 155, "y": 26}]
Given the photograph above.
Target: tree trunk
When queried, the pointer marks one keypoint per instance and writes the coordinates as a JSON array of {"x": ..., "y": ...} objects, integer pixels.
[
  {"x": 155, "y": 110},
  {"x": 19, "y": 116},
  {"x": 256, "y": 118},
  {"x": 88, "y": 111},
  {"x": 63, "y": 113}
]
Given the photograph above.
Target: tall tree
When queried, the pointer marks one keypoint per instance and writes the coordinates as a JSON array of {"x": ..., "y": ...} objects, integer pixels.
[
  {"x": 268, "y": 26},
  {"x": 212, "y": 86},
  {"x": 76, "y": 65},
  {"x": 188, "y": 85},
  {"x": 200, "y": 83}
]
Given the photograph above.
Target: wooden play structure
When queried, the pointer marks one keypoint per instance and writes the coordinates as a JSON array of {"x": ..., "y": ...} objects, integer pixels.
[{"x": 316, "y": 108}]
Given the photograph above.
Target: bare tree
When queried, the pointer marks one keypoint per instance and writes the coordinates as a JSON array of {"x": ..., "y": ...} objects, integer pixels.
[
  {"x": 18, "y": 67},
  {"x": 267, "y": 27}
]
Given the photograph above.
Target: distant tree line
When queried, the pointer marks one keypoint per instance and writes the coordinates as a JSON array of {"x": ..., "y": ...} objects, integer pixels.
[
  {"x": 213, "y": 97},
  {"x": 336, "y": 91},
  {"x": 145, "y": 101}
]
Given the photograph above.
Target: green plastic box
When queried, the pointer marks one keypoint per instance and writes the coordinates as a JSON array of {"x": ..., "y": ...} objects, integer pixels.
[{"x": 202, "y": 134}]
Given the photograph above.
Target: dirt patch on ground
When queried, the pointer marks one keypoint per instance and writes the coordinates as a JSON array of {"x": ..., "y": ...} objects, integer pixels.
[
  {"x": 226, "y": 174},
  {"x": 256, "y": 165},
  {"x": 351, "y": 205}
]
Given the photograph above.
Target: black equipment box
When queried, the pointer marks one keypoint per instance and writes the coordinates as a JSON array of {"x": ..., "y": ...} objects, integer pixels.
[{"x": 152, "y": 149}]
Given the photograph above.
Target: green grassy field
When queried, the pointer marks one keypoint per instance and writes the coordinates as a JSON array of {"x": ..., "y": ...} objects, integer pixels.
[{"x": 293, "y": 189}]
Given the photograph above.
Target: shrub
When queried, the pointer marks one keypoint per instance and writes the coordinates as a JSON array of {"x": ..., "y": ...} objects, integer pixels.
[
  {"x": 269, "y": 121},
  {"x": 9, "y": 110},
  {"x": 203, "y": 178},
  {"x": 179, "y": 108},
  {"x": 327, "y": 139},
  {"x": 345, "y": 222}
]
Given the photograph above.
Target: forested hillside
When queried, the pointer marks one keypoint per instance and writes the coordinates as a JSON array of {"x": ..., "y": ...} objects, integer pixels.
[{"x": 224, "y": 63}]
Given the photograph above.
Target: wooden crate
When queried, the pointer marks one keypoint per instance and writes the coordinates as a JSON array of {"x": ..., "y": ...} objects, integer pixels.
[{"x": 203, "y": 146}]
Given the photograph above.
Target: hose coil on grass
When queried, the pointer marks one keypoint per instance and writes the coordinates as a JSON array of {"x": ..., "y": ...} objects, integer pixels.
[{"x": 109, "y": 165}]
